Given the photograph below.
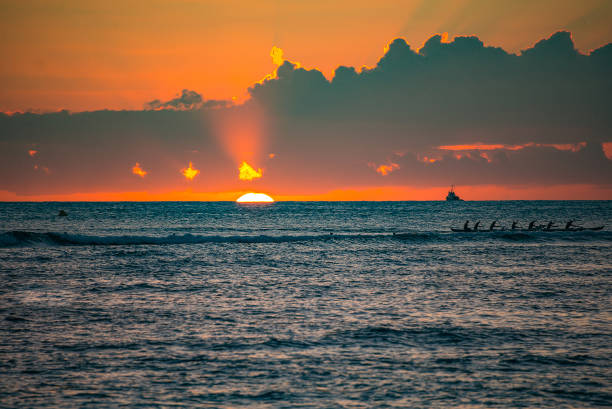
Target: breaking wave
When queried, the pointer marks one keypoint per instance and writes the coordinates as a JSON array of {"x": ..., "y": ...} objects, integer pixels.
[{"x": 25, "y": 238}]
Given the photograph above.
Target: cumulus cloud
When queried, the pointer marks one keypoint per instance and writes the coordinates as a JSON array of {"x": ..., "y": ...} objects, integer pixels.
[
  {"x": 446, "y": 87},
  {"x": 549, "y": 102}
]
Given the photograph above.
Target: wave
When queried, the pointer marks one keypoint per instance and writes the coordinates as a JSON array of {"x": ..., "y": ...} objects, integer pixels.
[
  {"x": 26, "y": 238},
  {"x": 435, "y": 334}
]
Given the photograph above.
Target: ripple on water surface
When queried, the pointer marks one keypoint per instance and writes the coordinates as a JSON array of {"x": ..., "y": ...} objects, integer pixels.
[{"x": 214, "y": 305}]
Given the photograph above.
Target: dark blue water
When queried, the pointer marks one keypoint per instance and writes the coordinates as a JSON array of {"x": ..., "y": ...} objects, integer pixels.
[{"x": 311, "y": 305}]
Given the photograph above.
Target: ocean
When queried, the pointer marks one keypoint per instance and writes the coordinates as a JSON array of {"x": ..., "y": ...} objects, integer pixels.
[{"x": 304, "y": 305}]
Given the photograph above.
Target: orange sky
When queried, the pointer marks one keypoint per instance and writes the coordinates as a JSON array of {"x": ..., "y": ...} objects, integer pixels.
[
  {"x": 88, "y": 55},
  {"x": 97, "y": 55}
]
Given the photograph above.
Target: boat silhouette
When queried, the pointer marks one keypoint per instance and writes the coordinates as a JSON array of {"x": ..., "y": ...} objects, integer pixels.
[
  {"x": 574, "y": 229},
  {"x": 451, "y": 196}
]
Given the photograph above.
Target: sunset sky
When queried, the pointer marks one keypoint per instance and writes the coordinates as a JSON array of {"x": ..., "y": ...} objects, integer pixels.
[{"x": 305, "y": 100}]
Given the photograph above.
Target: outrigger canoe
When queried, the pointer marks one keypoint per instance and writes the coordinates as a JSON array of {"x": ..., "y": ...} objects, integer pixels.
[{"x": 574, "y": 229}]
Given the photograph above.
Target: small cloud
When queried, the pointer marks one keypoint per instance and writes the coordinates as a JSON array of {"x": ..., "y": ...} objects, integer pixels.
[
  {"x": 187, "y": 100},
  {"x": 428, "y": 159},
  {"x": 574, "y": 147},
  {"x": 479, "y": 147},
  {"x": 486, "y": 156},
  {"x": 190, "y": 172},
  {"x": 137, "y": 170},
  {"x": 32, "y": 152},
  {"x": 248, "y": 173},
  {"x": 277, "y": 55},
  {"x": 43, "y": 168},
  {"x": 384, "y": 170},
  {"x": 607, "y": 148}
]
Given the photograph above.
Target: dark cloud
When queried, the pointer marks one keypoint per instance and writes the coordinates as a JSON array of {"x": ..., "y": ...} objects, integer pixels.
[
  {"x": 296, "y": 89},
  {"x": 187, "y": 100},
  {"x": 329, "y": 134},
  {"x": 462, "y": 84},
  {"x": 461, "y": 92},
  {"x": 557, "y": 48}
]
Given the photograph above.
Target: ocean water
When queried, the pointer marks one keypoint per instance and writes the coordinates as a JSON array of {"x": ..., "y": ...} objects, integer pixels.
[{"x": 304, "y": 305}]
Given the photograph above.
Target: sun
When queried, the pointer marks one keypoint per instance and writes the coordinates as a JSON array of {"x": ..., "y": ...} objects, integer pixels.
[{"x": 255, "y": 198}]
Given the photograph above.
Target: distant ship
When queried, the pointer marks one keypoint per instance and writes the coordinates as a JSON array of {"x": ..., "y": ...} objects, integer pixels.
[{"x": 451, "y": 196}]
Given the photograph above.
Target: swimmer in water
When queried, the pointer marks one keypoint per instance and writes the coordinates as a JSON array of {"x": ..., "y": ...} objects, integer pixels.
[
  {"x": 569, "y": 225},
  {"x": 531, "y": 225},
  {"x": 465, "y": 226},
  {"x": 549, "y": 225},
  {"x": 514, "y": 225},
  {"x": 492, "y": 226},
  {"x": 476, "y": 225}
]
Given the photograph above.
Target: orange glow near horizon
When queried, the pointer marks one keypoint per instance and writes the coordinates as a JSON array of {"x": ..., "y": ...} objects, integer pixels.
[
  {"x": 137, "y": 170},
  {"x": 255, "y": 198},
  {"x": 32, "y": 152},
  {"x": 388, "y": 193},
  {"x": 246, "y": 172},
  {"x": 190, "y": 172}
]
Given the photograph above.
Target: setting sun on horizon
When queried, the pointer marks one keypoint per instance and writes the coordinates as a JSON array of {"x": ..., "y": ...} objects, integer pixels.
[{"x": 255, "y": 198}]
